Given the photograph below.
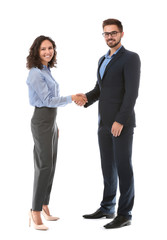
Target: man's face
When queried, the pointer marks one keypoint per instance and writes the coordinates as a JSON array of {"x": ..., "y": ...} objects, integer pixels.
[{"x": 112, "y": 35}]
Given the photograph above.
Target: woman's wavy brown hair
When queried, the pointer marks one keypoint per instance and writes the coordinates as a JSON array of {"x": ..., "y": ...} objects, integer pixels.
[{"x": 33, "y": 59}]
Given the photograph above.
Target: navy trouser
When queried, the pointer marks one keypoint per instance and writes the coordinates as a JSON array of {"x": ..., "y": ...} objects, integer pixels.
[
  {"x": 116, "y": 165},
  {"x": 45, "y": 135}
]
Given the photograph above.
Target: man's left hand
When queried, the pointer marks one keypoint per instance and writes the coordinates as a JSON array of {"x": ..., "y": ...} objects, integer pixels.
[{"x": 116, "y": 129}]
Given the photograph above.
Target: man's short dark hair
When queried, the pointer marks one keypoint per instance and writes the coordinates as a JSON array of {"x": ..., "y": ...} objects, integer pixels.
[{"x": 112, "y": 21}]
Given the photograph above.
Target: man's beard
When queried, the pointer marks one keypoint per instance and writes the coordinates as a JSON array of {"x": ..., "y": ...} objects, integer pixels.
[{"x": 113, "y": 45}]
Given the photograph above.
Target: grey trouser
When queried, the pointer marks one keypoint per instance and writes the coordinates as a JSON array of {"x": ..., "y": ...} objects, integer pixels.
[{"x": 45, "y": 135}]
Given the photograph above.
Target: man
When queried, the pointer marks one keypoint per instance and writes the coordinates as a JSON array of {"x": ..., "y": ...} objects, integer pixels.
[{"x": 116, "y": 89}]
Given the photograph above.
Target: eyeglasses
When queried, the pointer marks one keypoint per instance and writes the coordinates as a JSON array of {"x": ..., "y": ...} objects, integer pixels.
[{"x": 107, "y": 34}]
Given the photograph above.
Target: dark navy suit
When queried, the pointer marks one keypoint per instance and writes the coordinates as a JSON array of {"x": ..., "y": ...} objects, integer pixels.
[{"x": 117, "y": 92}]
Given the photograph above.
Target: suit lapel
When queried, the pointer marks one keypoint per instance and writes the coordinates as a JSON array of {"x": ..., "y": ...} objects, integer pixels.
[
  {"x": 98, "y": 71},
  {"x": 114, "y": 59}
]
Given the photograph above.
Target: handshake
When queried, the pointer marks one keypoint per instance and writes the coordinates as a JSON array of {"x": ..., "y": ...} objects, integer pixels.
[{"x": 80, "y": 99}]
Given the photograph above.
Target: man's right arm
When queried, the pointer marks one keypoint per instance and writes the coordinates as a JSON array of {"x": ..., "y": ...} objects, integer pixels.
[{"x": 91, "y": 96}]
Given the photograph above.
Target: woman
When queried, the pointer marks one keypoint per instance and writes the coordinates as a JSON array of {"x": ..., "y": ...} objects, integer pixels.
[{"x": 44, "y": 96}]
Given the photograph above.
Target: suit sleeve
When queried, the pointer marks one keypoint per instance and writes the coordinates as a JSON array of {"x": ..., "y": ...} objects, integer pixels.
[
  {"x": 131, "y": 83},
  {"x": 93, "y": 95}
]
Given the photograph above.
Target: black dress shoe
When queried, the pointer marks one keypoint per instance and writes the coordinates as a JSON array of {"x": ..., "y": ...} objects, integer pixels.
[
  {"x": 99, "y": 214},
  {"x": 118, "y": 222}
]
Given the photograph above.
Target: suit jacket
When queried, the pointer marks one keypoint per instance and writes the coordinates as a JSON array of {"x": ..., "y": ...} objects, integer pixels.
[{"x": 117, "y": 91}]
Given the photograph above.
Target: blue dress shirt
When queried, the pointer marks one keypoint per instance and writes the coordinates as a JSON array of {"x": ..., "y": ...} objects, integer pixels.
[
  {"x": 106, "y": 61},
  {"x": 44, "y": 90}
]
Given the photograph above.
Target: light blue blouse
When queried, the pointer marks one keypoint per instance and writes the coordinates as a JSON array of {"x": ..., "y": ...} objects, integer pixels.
[{"x": 44, "y": 90}]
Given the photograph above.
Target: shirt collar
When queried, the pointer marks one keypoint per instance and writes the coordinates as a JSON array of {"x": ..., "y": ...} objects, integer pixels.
[
  {"x": 108, "y": 53},
  {"x": 46, "y": 68}
]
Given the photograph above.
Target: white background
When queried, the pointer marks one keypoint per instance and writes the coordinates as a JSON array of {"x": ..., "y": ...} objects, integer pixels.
[{"x": 76, "y": 28}]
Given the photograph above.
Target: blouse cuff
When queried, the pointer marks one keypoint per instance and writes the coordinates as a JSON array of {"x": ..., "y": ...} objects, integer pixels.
[{"x": 69, "y": 99}]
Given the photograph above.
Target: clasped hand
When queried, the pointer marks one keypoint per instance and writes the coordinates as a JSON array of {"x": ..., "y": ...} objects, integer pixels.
[{"x": 80, "y": 99}]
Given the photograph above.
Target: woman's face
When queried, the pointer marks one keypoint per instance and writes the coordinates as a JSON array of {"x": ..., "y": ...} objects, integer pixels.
[{"x": 46, "y": 52}]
